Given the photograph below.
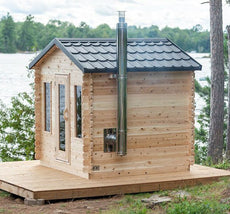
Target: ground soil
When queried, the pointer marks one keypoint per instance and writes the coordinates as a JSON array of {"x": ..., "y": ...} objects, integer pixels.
[{"x": 11, "y": 204}]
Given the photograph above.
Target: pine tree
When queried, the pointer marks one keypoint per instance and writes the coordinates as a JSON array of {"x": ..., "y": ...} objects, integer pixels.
[
  {"x": 8, "y": 38},
  {"x": 228, "y": 122},
  {"x": 26, "y": 41},
  {"x": 215, "y": 147}
]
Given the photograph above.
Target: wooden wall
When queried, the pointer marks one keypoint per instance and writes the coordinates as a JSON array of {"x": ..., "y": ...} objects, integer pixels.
[
  {"x": 160, "y": 123},
  {"x": 56, "y": 62}
]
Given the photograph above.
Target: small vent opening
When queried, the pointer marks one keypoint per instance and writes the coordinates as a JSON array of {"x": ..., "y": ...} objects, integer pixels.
[{"x": 110, "y": 139}]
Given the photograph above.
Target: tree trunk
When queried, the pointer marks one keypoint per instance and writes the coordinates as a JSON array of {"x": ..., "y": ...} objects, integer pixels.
[
  {"x": 228, "y": 125},
  {"x": 215, "y": 147}
]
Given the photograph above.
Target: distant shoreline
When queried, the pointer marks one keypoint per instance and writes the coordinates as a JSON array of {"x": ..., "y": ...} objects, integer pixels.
[{"x": 22, "y": 52}]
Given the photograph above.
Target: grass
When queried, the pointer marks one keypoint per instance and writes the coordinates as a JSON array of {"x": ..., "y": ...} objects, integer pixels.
[
  {"x": 130, "y": 204},
  {"x": 200, "y": 206},
  {"x": 4, "y": 194},
  {"x": 203, "y": 199},
  {"x": 224, "y": 165}
]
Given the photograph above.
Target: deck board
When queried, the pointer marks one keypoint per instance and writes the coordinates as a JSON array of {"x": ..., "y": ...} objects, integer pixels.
[{"x": 31, "y": 179}]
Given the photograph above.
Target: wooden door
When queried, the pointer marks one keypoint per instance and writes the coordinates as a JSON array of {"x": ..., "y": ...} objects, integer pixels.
[{"x": 62, "y": 113}]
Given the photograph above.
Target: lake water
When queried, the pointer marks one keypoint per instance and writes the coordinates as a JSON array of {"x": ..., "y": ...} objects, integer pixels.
[{"x": 13, "y": 75}]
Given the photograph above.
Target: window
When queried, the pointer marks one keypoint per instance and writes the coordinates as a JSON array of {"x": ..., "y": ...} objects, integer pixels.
[
  {"x": 61, "y": 93},
  {"x": 110, "y": 139},
  {"x": 78, "y": 111},
  {"x": 47, "y": 87}
]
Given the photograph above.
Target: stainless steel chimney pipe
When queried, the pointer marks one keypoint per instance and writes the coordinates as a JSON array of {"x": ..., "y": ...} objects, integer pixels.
[{"x": 122, "y": 84}]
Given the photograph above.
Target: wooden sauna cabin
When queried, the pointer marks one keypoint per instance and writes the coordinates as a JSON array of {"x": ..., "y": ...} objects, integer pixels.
[
  {"x": 76, "y": 107},
  {"x": 114, "y": 107}
]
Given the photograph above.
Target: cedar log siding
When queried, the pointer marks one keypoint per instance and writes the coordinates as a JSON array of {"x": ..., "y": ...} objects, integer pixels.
[
  {"x": 160, "y": 120},
  {"x": 56, "y": 62},
  {"x": 160, "y": 117}
]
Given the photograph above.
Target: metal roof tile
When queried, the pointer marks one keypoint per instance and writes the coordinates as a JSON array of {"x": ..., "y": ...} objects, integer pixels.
[
  {"x": 92, "y": 49},
  {"x": 138, "y": 49},
  {"x": 96, "y": 44},
  {"x": 76, "y": 44},
  {"x": 111, "y": 57},
  {"x": 136, "y": 56},
  {"x": 98, "y": 65},
  {"x": 87, "y": 65},
  {"x": 157, "y": 49},
  {"x": 67, "y": 44},
  {"x": 90, "y": 57},
  {"x": 110, "y": 49},
  {"x": 86, "y": 44},
  {"x": 132, "y": 44},
  {"x": 131, "y": 49},
  {"x": 105, "y": 44},
  {"x": 99, "y": 55},
  {"x": 109, "y": 65},
  {"x": 82, "y": 49},
  {"x": 72, "y": 50},
  {"x": 113, "y": 63},
  {"x": 81, "y": 58}
]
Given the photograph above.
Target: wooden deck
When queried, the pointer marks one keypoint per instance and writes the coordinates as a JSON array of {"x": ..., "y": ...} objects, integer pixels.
[{"x": 31, "y": 180}]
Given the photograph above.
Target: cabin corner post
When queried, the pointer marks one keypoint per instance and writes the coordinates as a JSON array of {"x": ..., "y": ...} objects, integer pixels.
[
  {"x": 87, "y": 122},
  {"x": 122, "y": 85},
  {"x": 192, "y": 159},
  {"x": 38, "y": 112}
]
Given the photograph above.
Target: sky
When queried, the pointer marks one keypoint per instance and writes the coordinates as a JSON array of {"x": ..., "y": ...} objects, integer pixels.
[{"x": 172, "y": 13}]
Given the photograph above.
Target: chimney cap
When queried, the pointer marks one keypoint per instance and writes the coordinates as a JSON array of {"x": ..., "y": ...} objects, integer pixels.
[{"x": 121, "y": 16}]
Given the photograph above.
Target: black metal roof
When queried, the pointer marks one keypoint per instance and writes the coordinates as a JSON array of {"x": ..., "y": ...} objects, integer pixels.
[{"x": 99, "y": 55}]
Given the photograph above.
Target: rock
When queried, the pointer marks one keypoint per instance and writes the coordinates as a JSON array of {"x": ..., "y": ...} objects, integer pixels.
[
  {"x": 61, "y": 212},
  {"x": 180, "y": 194},
  {"x": 156, "y": 199},
  {"x": 225, "y": 200},
  {"x": 19, "y": 200},
  {"x": 30, "y": 201}
]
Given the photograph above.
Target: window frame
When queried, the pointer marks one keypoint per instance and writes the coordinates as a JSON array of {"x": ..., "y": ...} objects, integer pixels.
[
  {"x": 76, "y": 111},
  {"x": 50, "y": 103}
]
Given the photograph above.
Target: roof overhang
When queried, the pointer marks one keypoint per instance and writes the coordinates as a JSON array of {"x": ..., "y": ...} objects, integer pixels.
[{"x": 59, "y": 44}]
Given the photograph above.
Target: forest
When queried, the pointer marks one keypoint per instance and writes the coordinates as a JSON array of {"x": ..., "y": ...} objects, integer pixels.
[{"x": 33, "y": 36}]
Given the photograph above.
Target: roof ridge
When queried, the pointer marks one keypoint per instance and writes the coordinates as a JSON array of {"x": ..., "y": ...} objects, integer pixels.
[{"x": 111, "y": 39}]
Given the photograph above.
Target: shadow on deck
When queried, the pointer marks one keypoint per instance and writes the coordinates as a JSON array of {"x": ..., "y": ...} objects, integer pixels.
[{"x": 29, "y": 179}]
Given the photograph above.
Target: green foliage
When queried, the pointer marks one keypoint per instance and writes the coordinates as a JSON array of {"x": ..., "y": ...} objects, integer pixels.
[
  {"x": 202, "y": 199},
  {"x": 7, "y": 35},
  {"x": 224, "y": 165},
  {"x": 202, "y": 132},
  {"x": 4, "y": 194},
  {"x": 130, "y": 204},
  {"x": 134, "y": 207},
  {"x": 197, "y": 207},
  {"x": 17, "y": 129},
  {"x": 30, "y": 35},
  {"x": 26, "y": 40}
]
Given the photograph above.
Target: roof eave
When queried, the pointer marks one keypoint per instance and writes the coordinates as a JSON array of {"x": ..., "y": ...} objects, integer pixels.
[
  {"x": 199, "y": 67},
  {"x": 48, "y": 47},
  {"x": 42, "y": 53},
  {"x": 155, "y": 69}
]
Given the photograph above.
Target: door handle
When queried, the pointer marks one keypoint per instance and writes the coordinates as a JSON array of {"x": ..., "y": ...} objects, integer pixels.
[{"x": 65, "y": 114}]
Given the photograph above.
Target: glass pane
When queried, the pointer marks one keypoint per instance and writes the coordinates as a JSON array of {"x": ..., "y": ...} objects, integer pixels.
[
  {"x": 78, "y": 112},
  {"x": 61, "y": 117},
  {"x": 47, "y": 107}
]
